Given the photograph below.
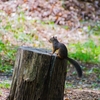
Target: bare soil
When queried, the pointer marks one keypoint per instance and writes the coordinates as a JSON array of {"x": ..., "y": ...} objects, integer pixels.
[
  {"x": 70, "y": 94},
  {"x": 4, "y": 93},
  {"x": 82, "y": 94}
]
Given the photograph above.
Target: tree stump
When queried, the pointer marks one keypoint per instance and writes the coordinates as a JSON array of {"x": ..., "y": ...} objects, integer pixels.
[{"x": 37, "y": 75}]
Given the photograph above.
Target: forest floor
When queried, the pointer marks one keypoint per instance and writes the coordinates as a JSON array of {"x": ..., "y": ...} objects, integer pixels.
[
  {"x": 83, "y": 94},
  {"x": 76, "y": 89},
  {"x": 70, "y": 94},
  {"x": 85, "y": 88}
]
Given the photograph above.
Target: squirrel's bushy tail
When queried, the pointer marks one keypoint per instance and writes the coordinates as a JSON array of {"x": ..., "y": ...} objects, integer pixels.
[{"x": 77, "y": 66}]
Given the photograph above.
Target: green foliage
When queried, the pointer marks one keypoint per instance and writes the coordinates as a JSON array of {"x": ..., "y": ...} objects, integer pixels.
[
  {"x": 21, "y": 17},
  {"x": 7, "y": 55},
  {"x": 94, "y": 70},
  {"x": 87, "y": 52},
  {"x": 69, "y": 85},
  {"x": 95, "y": 85},
  {"x": 97, "y": 72},
  {"x": 65, "y": 27},
  {"x": 15, "y": 30},
  {"x": 5, "y": 84},
  {"x": 94, "y": 29}
]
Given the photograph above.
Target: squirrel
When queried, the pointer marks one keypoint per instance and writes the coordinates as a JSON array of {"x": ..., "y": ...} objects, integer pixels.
[{"x": 63, "y": 54}]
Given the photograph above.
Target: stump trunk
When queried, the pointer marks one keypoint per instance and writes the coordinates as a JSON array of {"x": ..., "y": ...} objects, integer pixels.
[{"x": 37, "y": 76}]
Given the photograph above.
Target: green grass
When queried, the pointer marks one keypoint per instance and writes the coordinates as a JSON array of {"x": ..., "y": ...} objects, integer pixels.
[
  {"x": 94, "y": 29},
  {"x": 87, "y": 52},
  {"x": 7, "y": 54},
  {"x": 69, "y": 85},
  {"x": 5, "y": 84}
]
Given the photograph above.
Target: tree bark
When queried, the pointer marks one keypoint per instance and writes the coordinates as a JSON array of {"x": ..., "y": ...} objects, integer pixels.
[{"x": 37, "y": 76}]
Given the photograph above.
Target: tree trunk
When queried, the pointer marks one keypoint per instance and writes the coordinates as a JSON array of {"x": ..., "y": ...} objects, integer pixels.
[{"x": 37, "y": 76}]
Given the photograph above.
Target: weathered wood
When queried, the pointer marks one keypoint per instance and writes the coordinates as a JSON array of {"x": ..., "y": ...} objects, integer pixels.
[{"x": 37, "y": 76}]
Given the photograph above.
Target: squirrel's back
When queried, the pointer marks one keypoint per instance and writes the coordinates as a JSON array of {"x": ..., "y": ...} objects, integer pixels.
[{"x": 62, "y": 51}]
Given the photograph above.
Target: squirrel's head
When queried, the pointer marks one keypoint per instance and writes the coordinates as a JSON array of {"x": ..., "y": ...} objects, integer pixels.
[{"x": 53, "y": 39}]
